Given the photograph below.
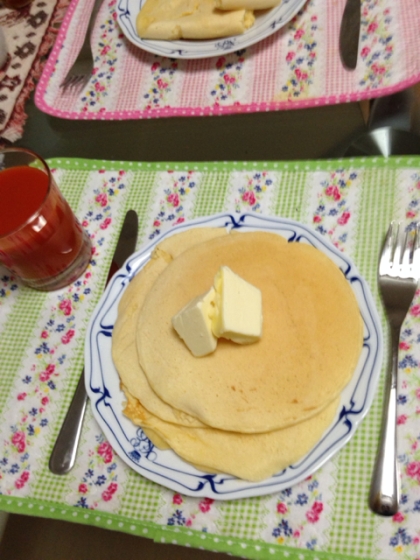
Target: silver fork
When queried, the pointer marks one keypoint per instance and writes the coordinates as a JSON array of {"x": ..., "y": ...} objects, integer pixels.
[
  {"x": 398, "y": 276},
  {"x": 81, "y": 70}
]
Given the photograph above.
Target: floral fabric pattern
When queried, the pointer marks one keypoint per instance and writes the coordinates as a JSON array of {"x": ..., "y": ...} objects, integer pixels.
[
  {"x": 252, "y": 191},
  {"x": 8, "y": 284},
  {"x": 174, "y": 200},
  {"x": 298, "y": 516},
  {"x": 333, "y": 211},
  {"x": 229, "y": 77},
  {"x": 163, "y": 72},
  {"x": 99, "y": 484},
  {"x": 377, "y": 43},
  {"x": 301, "y": 55},
  {"x": 9, "y": 287},
  {"x": 199, "y": 514}
]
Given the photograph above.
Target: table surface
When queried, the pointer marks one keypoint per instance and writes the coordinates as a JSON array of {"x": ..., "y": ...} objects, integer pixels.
[
  {"x": 321, "y": 132},
  {"x": 304, "y": 134}
]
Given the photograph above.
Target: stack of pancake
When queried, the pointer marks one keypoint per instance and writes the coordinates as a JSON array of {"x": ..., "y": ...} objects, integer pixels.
[{"x": 246, "y": 410}]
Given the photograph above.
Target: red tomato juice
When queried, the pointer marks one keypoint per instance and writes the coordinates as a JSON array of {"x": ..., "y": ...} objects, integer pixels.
[
  {"x": 39, "y": 235},
  {"x": 22, "y": 190}
]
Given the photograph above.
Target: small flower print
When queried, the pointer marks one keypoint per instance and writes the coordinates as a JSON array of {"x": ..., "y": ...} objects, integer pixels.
[
  {"x": 22, "y": 480},
  {"x": 109, "y": 492},
  {"x": 8, "y": 284},
  {"x": 177, "y": 499},
  {"x": 100, "y": 480},
  {"x": 171, "y": 208},
  {"x": 230, "y": 70},
  {"x": 297, "y": 509},
  {"x": 65, "y": 306},
  {"x": 19, "y": 441},
  {"x": 377, "y": 43},
  {"x": 163, "y": 74},
  {"x": 402, "y": 419},
  {"x": 281, "y": 507},
  {"x": 333, "y": 214},
  {"x": 313, "y": 514},
  {"x": 105, "y": 451},
  {"x": 66, "y": 338},
  {"x": 194, "y": 513},
  {"x": 251, "y": 193},
  {"x": 413, "y": 470},
  {"x": 205, "y": 504},
  {"x": 301, "y": 54}
]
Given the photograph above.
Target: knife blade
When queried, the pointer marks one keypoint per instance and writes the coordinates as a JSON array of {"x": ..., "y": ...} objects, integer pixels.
[
  {"x": 64, "y": 453},
  {"x": 349, "y": 34}
]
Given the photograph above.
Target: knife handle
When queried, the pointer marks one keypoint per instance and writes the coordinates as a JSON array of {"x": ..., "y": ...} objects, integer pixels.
[
  {"x": 350, "y": 33},
  {"x": 64, "y": 453}
]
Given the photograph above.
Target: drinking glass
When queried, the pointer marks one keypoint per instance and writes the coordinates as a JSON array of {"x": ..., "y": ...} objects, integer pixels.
[{"x": 41, "y": 240}]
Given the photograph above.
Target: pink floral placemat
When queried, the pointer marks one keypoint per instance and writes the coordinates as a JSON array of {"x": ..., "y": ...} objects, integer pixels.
[
  {"x": 29, "y": 34},
  {"x": 299, "y": 66}
]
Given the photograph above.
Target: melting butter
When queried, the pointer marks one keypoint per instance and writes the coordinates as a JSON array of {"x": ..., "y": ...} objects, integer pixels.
[
  {"x": 193, "y": 324},
  {"x": 238, "y": 308},
  {"x": 231, "y": 309}
]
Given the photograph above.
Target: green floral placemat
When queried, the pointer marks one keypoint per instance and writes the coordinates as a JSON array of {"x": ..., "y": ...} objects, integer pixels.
[{"x": 41, "y": 349}]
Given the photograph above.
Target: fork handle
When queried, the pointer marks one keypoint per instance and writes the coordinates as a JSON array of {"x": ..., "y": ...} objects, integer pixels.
[
  {"x": 384, "y": 490},
  {"x": 86, "y": 48}
]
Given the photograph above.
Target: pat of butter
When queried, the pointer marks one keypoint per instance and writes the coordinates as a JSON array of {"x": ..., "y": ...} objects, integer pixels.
[
  {"x": 193, "y": 324},
  {"x": 238, "y": 308}
]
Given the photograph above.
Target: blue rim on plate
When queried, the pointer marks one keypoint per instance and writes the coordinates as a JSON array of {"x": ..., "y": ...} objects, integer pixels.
[
  {"x": 266, "y": 23},
  {"x": 165, "y": 467}
]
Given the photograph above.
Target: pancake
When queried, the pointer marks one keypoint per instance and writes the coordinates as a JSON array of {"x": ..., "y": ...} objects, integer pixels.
[
  {"x": 124, "y": 350},
  {"x": 190, "y": 19},
  {"x": 246, "y": 4},
  {"x": 311, "y": 342},
  {"x": 252, "y": 457}
]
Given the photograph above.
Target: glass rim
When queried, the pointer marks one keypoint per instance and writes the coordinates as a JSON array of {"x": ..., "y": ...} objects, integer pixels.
[{"x": 50, "y": 180}]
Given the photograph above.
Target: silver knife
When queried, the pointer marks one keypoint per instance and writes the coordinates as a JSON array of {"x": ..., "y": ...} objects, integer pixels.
[
  {"x": 349, "y": 34},
  {"x": 64, "y": 453}
]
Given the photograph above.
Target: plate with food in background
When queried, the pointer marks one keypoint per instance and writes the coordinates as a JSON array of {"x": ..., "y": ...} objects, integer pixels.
[{"x": 210, "y": 30}]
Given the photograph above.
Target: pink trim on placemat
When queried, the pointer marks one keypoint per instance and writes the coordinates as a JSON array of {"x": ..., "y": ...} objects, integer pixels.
[{"x": 183, "y": 88}]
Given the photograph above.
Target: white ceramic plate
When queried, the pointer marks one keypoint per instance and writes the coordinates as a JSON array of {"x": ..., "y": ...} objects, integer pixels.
[
  {"x": 266, "y": 23},
  {"x": 165, "y": 467}
]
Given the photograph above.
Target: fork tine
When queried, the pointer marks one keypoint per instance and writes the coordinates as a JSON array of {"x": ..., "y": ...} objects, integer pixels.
[
  {"x": 67, "y": 83},
  {"x": 387, "y": 251},
  {"x": 400, "y": 243},
  {"x": 407, "y": 254},
  {"x": 73, "y": 82},
  {"x": 416, "y": 252}
]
